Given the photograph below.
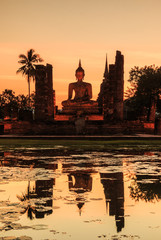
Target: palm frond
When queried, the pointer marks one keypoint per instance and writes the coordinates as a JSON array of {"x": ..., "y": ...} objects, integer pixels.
[
  {"x": 23, "y": 56},
  {"x": 30, "y": 54},
  {"x": 22, "y": 61},
  {"x": 36, "y": 58},
  {"x": 41, "y": 60},
  {"x": 22, "y": 69}
]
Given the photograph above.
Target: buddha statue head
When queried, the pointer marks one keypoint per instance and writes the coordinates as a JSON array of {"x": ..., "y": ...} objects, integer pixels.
[{"x": 79, "y": 73}]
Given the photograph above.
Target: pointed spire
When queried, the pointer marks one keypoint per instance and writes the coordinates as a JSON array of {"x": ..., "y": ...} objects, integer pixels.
[
  {"x": 106, "y": 69},
  {"x": 80, "y": 69},
  {"x": 80, "y": 204},
  {"x": 80, "y": 63}
]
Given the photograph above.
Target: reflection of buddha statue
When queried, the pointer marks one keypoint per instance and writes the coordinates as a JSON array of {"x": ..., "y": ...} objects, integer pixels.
[{"x": 83, "y": 92}]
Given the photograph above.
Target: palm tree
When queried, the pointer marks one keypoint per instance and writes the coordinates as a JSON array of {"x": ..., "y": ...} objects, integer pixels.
[{"x": 29, "y": 66}]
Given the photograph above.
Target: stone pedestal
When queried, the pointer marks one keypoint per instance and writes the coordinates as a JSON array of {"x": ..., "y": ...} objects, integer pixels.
[
  {"x": 81, "y": 108},
  {"x": 80, "y": 125}
]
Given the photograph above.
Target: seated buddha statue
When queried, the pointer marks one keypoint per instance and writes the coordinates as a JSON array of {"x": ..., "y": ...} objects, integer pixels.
[{"x": 82, "y": 90}]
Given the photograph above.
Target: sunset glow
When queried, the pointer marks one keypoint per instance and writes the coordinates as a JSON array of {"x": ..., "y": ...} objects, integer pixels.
[{"x": 63, "y": 32}]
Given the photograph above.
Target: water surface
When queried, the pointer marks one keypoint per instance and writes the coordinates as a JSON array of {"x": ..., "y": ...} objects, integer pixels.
[{"x": 53, "y": 193}]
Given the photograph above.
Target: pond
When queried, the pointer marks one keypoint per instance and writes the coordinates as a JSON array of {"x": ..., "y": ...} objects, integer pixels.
[{"x": 55, "y": 193}]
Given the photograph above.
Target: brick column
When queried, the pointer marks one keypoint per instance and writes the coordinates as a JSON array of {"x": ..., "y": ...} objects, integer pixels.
[{"x": 44, "y": 106}]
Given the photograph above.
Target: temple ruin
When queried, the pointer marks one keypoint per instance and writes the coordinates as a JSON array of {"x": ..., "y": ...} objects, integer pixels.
[
  {"x": 109, "y": 106},
  {"x": 111, "y": 94},
  {"x": 80, "y": 114}
]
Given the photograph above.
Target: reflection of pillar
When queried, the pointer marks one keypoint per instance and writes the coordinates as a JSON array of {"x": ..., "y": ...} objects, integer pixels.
[
  {"x": 114, "y": 193},
  {"x": 80, "y": 183},
  {"x": 44, "y": 189}
]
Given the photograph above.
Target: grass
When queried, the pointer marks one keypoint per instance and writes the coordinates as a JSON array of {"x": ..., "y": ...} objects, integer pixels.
[{"x": 90, "y": 145}]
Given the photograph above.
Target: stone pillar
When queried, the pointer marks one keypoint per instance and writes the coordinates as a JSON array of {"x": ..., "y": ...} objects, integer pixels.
[
  {"x": 152, "y": 111},
  {"x": 49, "y": 70},
  {"x": 119, "y": 90},
  {"x": 105, "y": 97},
  {"x": 112, "y": 90},
  {"x": 44, "y": 106},
  {"x": 54, "y": 102},
  {"x": 112, "y": 87},
  {"x": 157, "y": 129}
]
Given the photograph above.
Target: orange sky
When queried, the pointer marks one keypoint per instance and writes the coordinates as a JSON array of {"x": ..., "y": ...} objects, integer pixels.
[{"x": 63, "y": 31}]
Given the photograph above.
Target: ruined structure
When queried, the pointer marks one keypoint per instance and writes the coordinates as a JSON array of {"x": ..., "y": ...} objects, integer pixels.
[
  {"x": 80, "y": 114},
  {"x": 110, "y": 98},
  {"x": 44, "y": 102}
]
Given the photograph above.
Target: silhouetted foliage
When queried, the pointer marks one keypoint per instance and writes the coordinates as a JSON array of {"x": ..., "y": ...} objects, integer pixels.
[
  {"x": 30, "y": 194},
  {"x": 145, "y": 89},
  {"x": 28, "y": 66},
  {"x": 10, "y": 104},
  {"x": 145, "y": 188},
  {"x": 24, "y": 102}
]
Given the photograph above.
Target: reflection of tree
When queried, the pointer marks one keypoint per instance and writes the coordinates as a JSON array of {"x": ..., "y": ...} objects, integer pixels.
[
  {"x": 37, "y": 199},
  {"x": 145, "y": 188},
  {"x": 25, "y": 197},
  {"x": 42, "y": 199},
  {"x": 30, "y": 212},
  {"x": 114, "y": 193}
]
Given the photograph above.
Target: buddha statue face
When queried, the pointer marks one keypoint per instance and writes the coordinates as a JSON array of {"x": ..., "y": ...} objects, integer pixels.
[
  {"x": 79, "y": 73},
  {"x": 79, "y": 76}
]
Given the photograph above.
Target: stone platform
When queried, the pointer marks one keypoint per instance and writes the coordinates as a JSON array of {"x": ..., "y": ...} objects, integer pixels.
[
  {"x": 77, "y": 127},
  {"x": 68, "y": 117},
  {"x": 77, "y": 109}
]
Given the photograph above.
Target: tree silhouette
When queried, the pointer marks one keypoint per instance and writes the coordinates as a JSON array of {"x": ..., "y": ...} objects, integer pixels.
[
  {"x": 8, "y": 103},
  {"x": 30, "y": 194},
  {"x": 145, "y": 89},
  {"x": 147, "y": 188},
  {"x": 28, "y": 66}
]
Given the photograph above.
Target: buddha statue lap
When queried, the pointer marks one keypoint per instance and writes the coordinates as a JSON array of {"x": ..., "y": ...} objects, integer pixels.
[{"x": 83, "y": 94}]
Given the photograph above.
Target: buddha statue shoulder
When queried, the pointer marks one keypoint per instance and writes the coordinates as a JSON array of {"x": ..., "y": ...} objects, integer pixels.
[{"x": 82, "y": 90}]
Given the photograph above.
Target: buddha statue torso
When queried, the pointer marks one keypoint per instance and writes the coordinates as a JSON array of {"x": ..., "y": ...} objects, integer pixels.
[{"x": 83, "y": 91}]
